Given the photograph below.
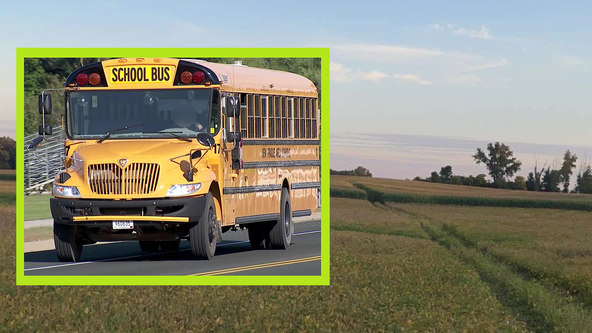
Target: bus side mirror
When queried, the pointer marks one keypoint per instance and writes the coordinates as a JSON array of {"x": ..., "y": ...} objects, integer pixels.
[
  {"x": 232, "y": 106},
  {"x": 44, "y": 104},
  {"x": 206, "y": 140},
  {"x": 47, "y": 130},
  {"x": 35, "y": 143}
]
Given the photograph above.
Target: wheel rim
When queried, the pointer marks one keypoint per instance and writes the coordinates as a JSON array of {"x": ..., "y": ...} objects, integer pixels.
[
  {"x": 287, "y": 220},
  {"x": 212, "y": 219}
]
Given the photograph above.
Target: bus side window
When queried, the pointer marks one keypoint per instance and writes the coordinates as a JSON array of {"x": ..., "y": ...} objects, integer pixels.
[
  {"x": 271, "y": 119},
  {"x": 256, "y": 119},
  {"x": 314, "y": 113},
  {"x": 246, "y": 105},
  {"x": 302, "y": 119}
]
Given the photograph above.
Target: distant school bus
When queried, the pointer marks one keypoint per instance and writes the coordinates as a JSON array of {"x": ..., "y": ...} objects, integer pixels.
[{"x": 158, "y": 150}]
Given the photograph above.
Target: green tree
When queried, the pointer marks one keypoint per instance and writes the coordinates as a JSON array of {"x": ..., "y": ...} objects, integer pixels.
[
  {"x": 435, "y": 177},
  {"x": 446, "y": 174},
  {"x": 584, "y": 180},
  {"x": 530, "y": 182},
  {"x": 520, "y": 183},
  {"x": 569, "y": 163},
  {"x": 456, "y": 180},
  {"x": 500, "y": 162},
  {"x": 551, "y": 180},
  {"x": 533, "y": 183},
  {"x": 7, "y": 153},
  {"x": 480, "y": 180},
  {"x": 361, "y": 171}
]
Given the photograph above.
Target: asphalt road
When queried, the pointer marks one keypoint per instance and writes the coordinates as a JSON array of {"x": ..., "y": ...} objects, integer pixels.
[{"x": 233, "y": 257}]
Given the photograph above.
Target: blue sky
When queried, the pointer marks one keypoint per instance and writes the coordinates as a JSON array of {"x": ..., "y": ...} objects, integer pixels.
[{"x": 497, "y": 71}]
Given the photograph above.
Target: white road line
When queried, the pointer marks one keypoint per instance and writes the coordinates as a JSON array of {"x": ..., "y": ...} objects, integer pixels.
[{"x": 148, "y": 255}]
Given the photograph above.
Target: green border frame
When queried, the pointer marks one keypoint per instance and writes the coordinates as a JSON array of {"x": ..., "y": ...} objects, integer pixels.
[{"x": 323, "y": 53}]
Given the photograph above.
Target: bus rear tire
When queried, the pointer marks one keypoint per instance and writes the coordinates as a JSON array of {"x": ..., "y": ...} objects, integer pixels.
[
  {"x": 170, "y": 245},
  {"x": 149, "y": 246},
  {"x": 281, "y": 233},
  {"x": 259, "y": 236},
  {"x": 202, "y": 236},
  {"x": 68, "y": 246}
]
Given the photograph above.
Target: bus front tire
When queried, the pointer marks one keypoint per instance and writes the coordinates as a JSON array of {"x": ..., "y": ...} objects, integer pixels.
[
  {"x": 68, "y": 246},
  {"x": 202, "y": 236},
  {"x": 149, "y": 246},
  {"x": 281, "y": 233}
]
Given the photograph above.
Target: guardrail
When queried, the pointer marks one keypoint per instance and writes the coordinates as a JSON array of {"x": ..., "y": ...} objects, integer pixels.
[{"x": 44, "y": 163}]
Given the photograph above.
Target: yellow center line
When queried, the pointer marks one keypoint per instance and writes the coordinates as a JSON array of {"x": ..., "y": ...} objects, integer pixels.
[{"x": 259, "y": 266}]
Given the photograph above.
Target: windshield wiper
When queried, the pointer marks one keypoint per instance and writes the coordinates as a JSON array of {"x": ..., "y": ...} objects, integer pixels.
[
  {"x": 115, "y": 131},
  {"x": 172, "y": 133}
]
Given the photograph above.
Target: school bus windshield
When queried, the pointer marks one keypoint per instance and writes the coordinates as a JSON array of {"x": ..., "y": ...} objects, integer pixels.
[{"x": 148, "y": 113}]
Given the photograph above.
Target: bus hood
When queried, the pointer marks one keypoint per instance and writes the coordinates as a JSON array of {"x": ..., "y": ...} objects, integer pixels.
[{"x": 146, "y": 151}]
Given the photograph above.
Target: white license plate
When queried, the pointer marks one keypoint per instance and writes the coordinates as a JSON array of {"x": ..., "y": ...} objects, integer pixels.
[{"x": 123, "y": 224}]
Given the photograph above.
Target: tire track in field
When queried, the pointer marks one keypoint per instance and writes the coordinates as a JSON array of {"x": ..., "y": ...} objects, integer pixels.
[
  {"x": 540, "y": 306},
  {"x": 580, "y": 293}
]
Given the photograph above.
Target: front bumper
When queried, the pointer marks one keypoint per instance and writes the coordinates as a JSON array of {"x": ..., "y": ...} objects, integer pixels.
[{"x": 142, "y": 212}]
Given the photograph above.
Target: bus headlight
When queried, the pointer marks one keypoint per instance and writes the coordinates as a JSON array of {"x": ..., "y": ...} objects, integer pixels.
[
  {"x": 66, "y": 191},
  {"x": 183, "y": 189}
]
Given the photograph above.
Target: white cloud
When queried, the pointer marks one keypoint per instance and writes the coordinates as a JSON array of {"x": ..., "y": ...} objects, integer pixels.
[
  {"x": 464, "y": 67},
  {"x": 481, "y": 33},
  {"x": 391, "y": 53},
  {"x": 446, "y": 65},
  {"x": 341, "y": 74},
  {"x": 436, "y": 26},
  {"x": 412, "y": 78},
  {"x": 574, "y": 61},
  {"x": 374, "y": 75}
]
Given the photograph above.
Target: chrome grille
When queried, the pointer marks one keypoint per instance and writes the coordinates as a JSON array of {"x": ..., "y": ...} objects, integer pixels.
[{"x": 110, "y": 179}]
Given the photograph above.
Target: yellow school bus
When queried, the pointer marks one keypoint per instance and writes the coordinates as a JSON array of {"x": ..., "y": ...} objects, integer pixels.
[{"x": 159, "y": 150}]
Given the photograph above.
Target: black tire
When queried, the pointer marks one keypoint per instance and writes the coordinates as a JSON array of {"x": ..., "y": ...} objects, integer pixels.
[
  {"x": 170, "y": 245},
  {"x": 68, "y": 246},
  {"x": 149, "y": 246},
  {"x": 202, "y": 236},
  {"x": 282, "y": 230},
  {"x": 259, "y": 236}
]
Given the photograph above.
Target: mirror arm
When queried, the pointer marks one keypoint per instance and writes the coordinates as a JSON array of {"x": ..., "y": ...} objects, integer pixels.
[{"x": 43, "y": 102}]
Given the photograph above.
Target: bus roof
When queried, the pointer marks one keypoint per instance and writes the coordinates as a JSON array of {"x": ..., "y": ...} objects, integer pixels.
[
  {"x": 244, "y": 78},
  {"x": 231, "y": 77}
]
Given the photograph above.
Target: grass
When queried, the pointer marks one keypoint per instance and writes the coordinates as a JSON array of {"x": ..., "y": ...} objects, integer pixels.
[
  {"x": 552, "y": 246},
  {"x": 397, "y": 267},
  {"x": 380, "y": 283},
  {"x": 7, "y": 175},
  {"x": 543, "y": 309},
  {"x": 353, "y": 215},
  {"x": 386, "y": 196},
  {"x": 37, "y": 207},
  {"x": 38, "y": 233},
  {"x": 536, "y": 262},
  {"x": 424, "y": 188},
  {"x": 345, "y": 192}
]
